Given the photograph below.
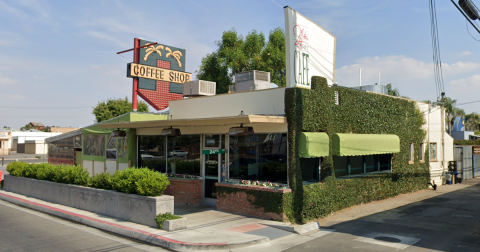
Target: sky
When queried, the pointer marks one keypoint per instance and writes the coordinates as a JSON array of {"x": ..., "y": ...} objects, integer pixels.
[{"x": 58, "y": 58}]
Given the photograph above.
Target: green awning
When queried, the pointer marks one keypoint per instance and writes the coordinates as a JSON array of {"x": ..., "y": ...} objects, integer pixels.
[
  {"x": 364, "y": 144},
  {"x": 313, "y": 144}
]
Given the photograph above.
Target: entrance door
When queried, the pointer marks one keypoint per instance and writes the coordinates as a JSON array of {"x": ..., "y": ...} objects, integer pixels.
[
  {"x": 213, "y": 154},
  {"x": 211, "y": 176}
]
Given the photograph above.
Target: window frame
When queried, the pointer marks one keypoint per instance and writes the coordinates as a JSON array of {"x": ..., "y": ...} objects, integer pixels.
[
  {"x": 430, "y": 152},
  {"x": 422, "y": 153}
]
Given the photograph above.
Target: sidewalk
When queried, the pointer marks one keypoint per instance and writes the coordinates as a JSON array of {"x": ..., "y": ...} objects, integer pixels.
[
  {"x": 208, "y": 229},
  {"x": 20, "y": 156}
]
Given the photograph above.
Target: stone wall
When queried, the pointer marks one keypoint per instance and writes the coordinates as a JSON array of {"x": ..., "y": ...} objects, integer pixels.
[
  {"x": 130, "y": 207},
  {"x": 185, "y": 191},
  {"x": 239, "y": 201}
]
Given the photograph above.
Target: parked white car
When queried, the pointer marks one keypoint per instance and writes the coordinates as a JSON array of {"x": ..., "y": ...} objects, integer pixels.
[
  {"x": 145, "y": 155},
  {"x": 178, "y": 153}
]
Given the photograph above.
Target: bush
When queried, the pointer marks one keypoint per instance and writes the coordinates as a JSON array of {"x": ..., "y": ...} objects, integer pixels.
[
  {"x": 142, "y": 181},
  {"x": 163, "y": 217},
  {"x": 102, "y": 181}
]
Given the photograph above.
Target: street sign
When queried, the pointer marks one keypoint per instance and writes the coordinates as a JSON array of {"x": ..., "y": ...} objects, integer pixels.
[{"x": 212, "y": 152}]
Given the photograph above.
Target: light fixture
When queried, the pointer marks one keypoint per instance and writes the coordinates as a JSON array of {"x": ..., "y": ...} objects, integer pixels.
[
  {"x": 118, "y": 133},
  {"x": 240, "y": 131},
  {"x": 171, "y": 132}
]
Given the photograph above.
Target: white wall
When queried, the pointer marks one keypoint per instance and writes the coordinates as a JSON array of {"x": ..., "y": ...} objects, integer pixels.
[
  {"x": 435, "y": 129},
  {"x": 261, "y": 102},
  {"x": 25, "y": 136}
]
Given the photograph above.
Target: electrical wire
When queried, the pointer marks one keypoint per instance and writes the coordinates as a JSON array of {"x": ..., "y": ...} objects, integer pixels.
[
  {"x": 9, "y": 107},
  {"x": 437, "y": 62},
  {"x": 466, "y": 23},
  {"x": 466, "y": 103}
]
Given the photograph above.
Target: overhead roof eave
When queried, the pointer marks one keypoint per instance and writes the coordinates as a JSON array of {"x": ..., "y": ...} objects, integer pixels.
[{"x": 216, "y": 121}]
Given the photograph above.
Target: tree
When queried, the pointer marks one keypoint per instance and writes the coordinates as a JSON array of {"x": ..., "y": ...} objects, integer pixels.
[
  {"x": 115, "y": 107},
  {"x": 392, "y": 92},
  {"x": 27, "y": 126},
  {"x": 236, "y": 54}
]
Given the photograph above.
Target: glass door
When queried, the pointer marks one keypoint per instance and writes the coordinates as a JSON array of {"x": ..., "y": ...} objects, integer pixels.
[{"x": 211, "y": 174}]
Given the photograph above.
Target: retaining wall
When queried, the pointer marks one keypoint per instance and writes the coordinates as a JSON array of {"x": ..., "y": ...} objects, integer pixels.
[{"x": 130, "y": 207}]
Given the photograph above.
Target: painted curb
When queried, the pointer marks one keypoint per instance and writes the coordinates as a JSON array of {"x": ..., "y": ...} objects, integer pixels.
[{"x": 141, "y": 235}]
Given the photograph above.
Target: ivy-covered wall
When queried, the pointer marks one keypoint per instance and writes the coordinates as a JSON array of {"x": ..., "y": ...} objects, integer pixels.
[{"x": 358, "y": 112}]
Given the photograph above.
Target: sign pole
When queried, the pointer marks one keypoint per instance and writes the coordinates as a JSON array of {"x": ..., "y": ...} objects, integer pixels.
[{"x": 136, "y": 59}]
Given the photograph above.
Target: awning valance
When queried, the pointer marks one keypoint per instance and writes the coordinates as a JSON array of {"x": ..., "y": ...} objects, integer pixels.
[
  {"x": 364, "y": 144},
  {"x": 313, "y": 144}
]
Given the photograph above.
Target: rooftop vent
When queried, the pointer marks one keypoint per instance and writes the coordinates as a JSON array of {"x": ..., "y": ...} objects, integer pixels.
[
  {"x": 199, "y": 88},
  {"x": 252, "y": 80}
]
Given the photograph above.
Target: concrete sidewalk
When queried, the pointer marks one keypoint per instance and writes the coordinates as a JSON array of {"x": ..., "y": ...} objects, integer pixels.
[{"x": 208, "y": 229}]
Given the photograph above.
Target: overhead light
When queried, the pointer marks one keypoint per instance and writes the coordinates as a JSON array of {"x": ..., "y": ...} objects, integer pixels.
[
  {"x": 241, "y": 131},
  {"x": 118, "y": 133},
  {"x": 469, "y": 9},
  {"x": 171, "y": 132}
]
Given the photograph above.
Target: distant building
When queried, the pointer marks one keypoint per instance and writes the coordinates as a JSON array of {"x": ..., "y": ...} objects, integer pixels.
[
  {"x": 459, "y": 132},
  {"x": 380, "y": 89},
  {"x": 62, "y": 129},
  {"x": 37, "y": 126}
]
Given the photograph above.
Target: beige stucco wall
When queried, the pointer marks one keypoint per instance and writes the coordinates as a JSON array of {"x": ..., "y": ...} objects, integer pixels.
[{"x": 261, "y": 102}]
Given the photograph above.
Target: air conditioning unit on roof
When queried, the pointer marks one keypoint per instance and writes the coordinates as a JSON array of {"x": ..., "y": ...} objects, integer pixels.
[
  {"x": 252, "y": 80},
  {"x": 199, "y": 87}
]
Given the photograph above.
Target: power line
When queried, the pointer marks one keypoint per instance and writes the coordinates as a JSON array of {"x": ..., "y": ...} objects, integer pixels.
[
  {"x": 44, "y": 116},
  {"x": 9, "y": 107},
  {"x": 437, "y": 62},
  {"x": 466, "y": 103},
  {"x": 466, "y": 23}
]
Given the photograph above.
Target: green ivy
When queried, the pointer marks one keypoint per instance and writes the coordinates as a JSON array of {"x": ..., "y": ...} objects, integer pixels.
[
  {"x": 314, "y": 110},
  {"x": 466, "y": 142}
]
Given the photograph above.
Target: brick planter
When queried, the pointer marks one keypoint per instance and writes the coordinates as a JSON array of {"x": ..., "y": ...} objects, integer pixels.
[
  {"x": 239, "y": 201},
  {"x": 185, "y": 191}
]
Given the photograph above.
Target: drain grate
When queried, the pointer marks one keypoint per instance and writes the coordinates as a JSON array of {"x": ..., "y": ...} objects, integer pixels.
[{"x": 387, "y": 239}]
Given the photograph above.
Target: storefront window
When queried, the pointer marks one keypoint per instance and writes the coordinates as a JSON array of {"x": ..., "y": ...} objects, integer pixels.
[
  {"x": 184, "y": 154},
  {"x": 259, "y": 157},
  {"x": 116, "y": 147},
  {"x": 61, "y": 151},
  {"x": 152, "y": 153},
  {"x": 181, "y": 154},
  {"x": 310, "y": 169},
  {"x": 94, "y": 145},
  {"x": 352, "y": 165}
]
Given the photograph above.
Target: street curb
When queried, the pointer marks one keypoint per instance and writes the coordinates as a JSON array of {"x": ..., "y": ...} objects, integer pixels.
[
  {"x": 126, "y": 231},
  {"x": 300, "y": 229}
]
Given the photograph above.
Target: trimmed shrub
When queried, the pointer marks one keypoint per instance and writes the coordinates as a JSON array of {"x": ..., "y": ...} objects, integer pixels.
[
  {"x": 142, "y": 181},
  {"x": 102, "y": 181},
  {"x": 163, "y": 217}
]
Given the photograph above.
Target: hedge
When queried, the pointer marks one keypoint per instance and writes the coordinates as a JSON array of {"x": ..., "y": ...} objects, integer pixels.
[
  {"x": 314, "y": 110},
  {"x": 466, "y": 142},
  {"x": 142, "y": 181}
]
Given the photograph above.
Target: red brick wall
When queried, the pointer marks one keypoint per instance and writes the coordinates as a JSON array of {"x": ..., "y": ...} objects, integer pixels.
[
  {"x": 238, "y": 202},
  {"x": 185, "y": 191}
]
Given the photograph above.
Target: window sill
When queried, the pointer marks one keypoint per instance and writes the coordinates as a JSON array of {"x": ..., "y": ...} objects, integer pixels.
[
  {"x": 422, "y": 161},
  {"x": 363, "y": 175},
  {"x": 433, "y": 160},
  {"x": 411, "y": 162}
]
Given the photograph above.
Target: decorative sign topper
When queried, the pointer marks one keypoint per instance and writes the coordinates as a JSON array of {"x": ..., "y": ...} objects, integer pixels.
[
  {"x": 310, "y": 50},
  {"x": 158, "y": 72}
]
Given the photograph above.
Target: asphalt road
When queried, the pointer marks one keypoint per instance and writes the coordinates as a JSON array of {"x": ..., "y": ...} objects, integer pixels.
[
  {"x": 448, "y": 222},
  {"x": 22, "y": 229}
]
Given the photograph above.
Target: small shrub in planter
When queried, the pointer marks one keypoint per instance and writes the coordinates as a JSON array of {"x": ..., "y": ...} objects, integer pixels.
[
  {"x": 102, "y": 181},
  {"x": 142, "y": 181},
  {"x": 163, "y": 217}
]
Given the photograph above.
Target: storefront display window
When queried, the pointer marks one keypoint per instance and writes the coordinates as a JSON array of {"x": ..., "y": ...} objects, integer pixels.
[
  {"x": 152, "y": 153},
  {"x": 259, "y": 157},
  {"x": 116, "y": 147},
  {"x": 180, "y": 153},
  {"x": 352, "y": 165},
  {"x": 61, "y": 151},
  {"x": 184, "y": 154},
  {"x": 94, "y": 145}
]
